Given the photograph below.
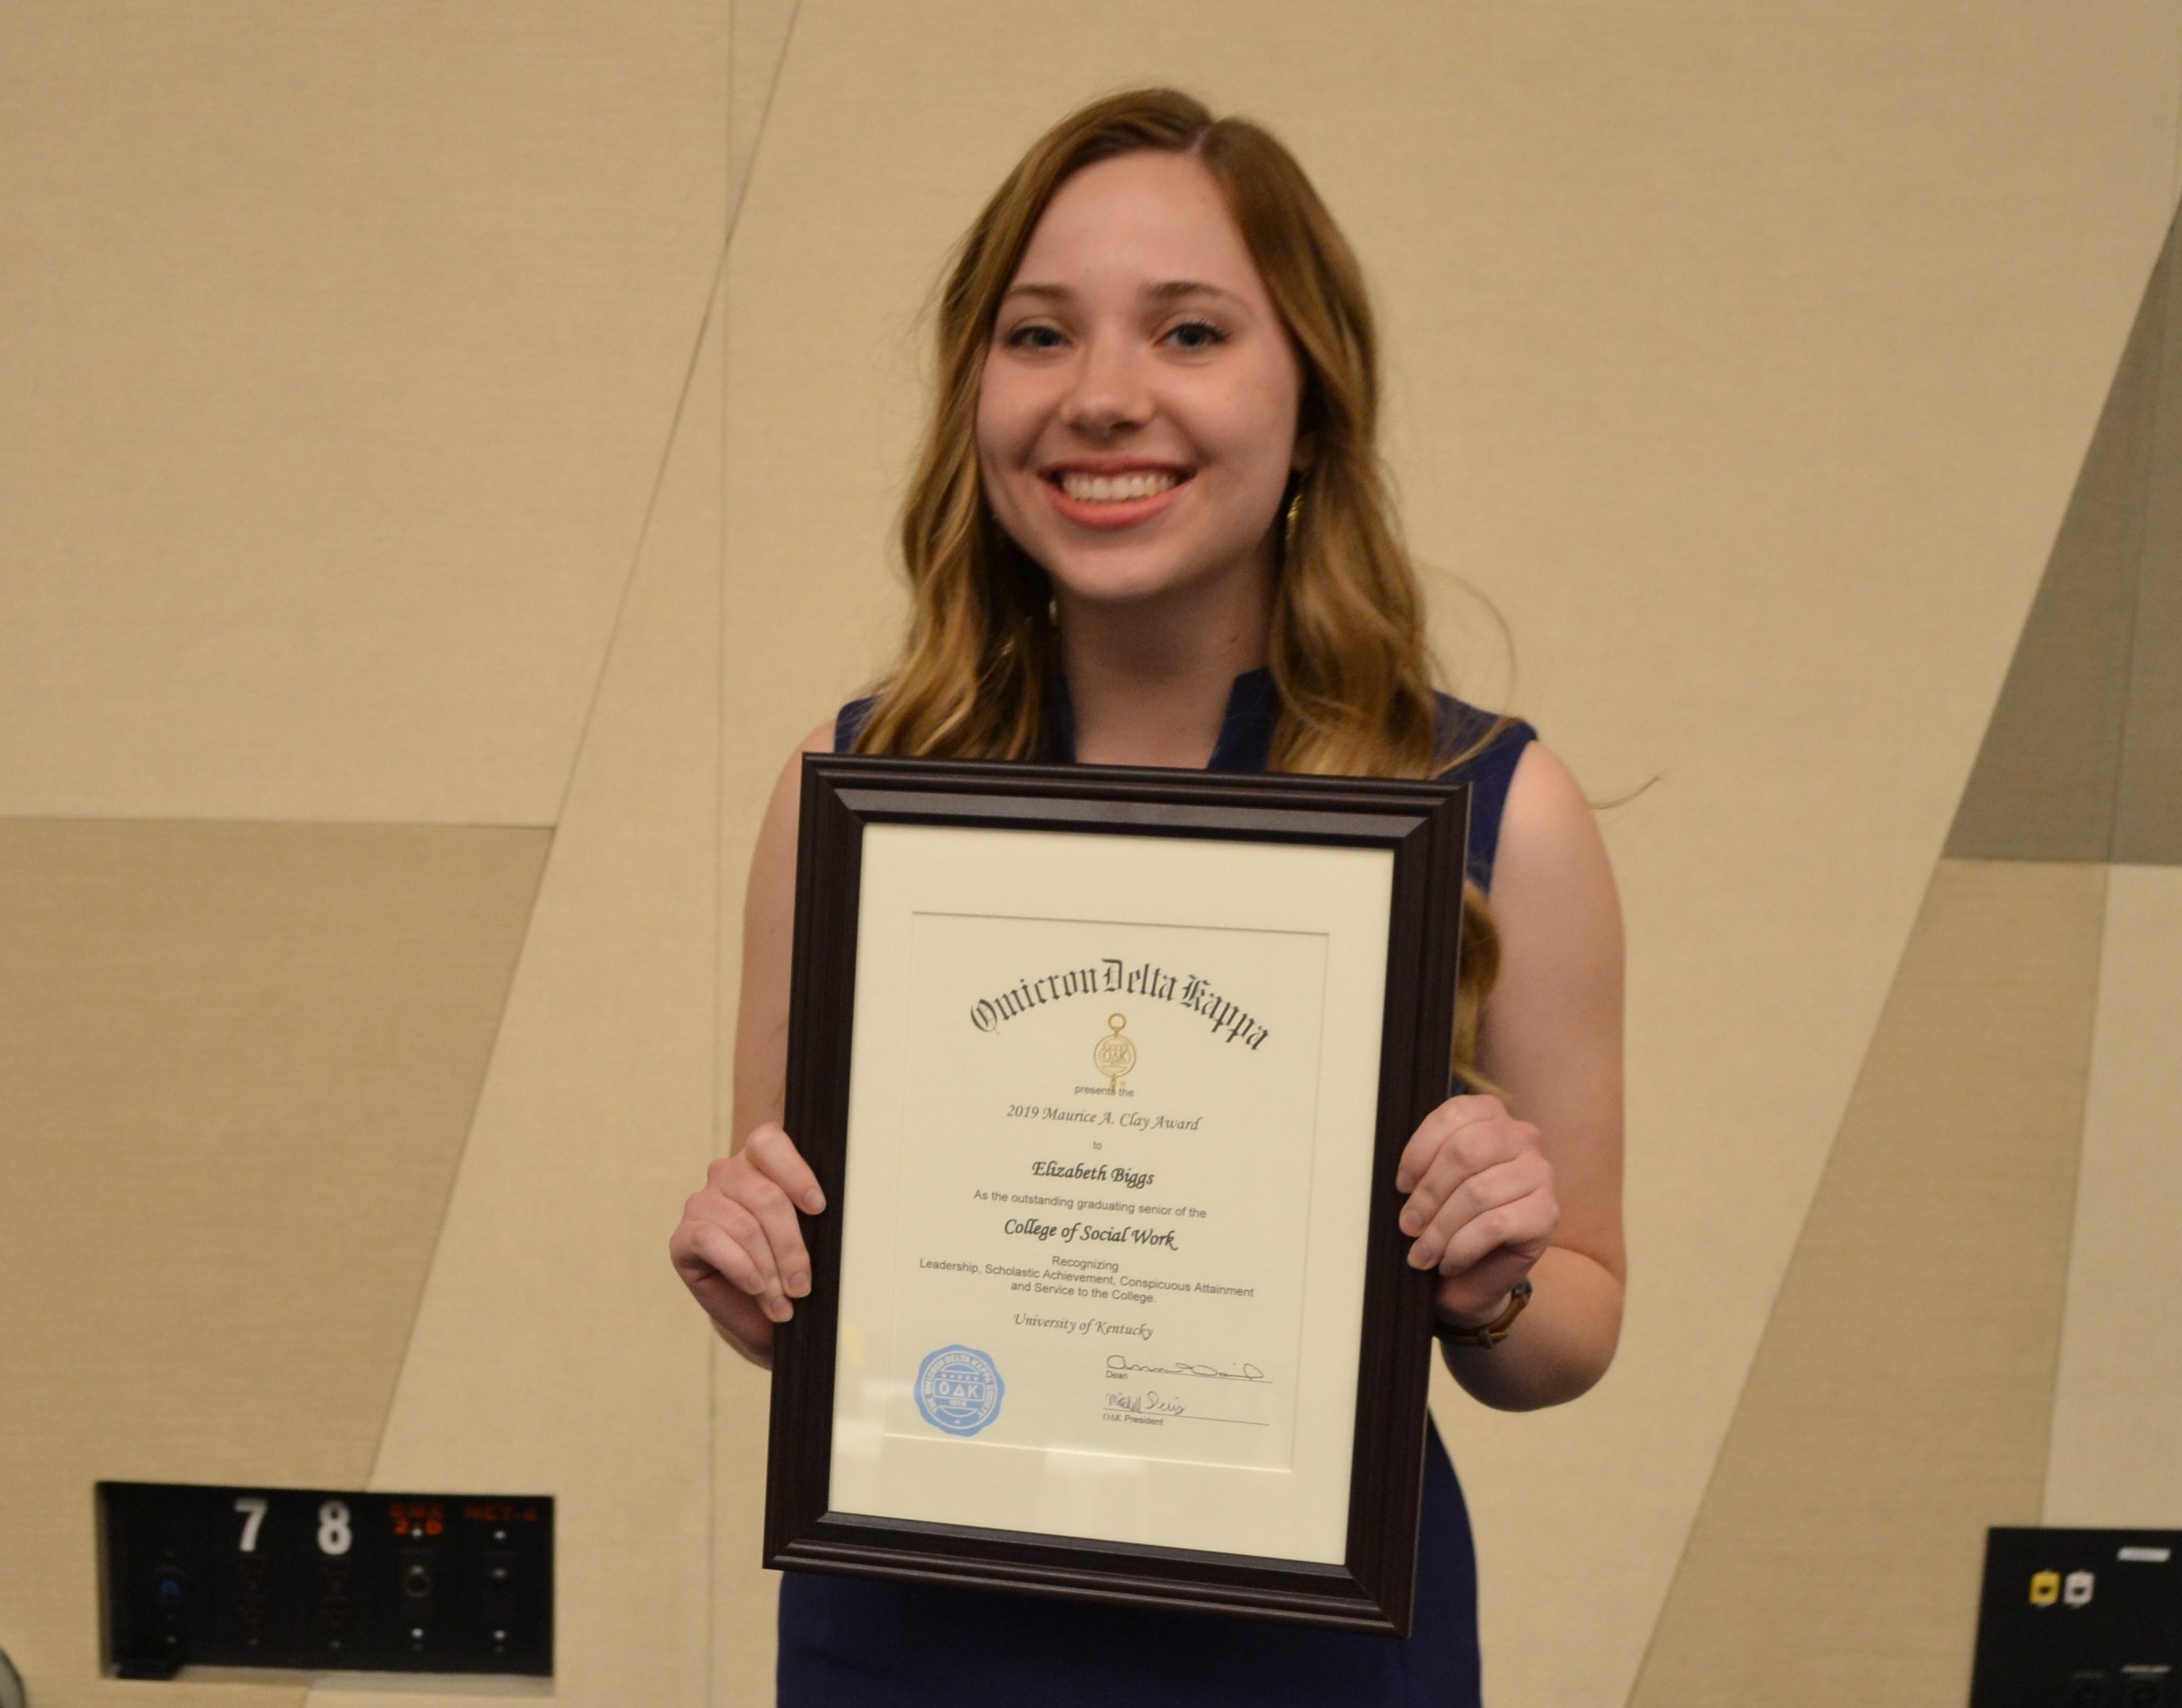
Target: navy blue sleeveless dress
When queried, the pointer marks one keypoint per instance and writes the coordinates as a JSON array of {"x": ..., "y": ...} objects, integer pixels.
[{"x": 870, "y": 1643}]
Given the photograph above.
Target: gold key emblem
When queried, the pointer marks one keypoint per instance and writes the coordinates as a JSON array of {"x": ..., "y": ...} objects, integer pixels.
[{"x": 1114, "y": 1055}]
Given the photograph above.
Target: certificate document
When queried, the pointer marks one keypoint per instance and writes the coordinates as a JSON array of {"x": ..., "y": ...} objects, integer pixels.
[
  {"x": 1107, "y": 1185},
  {"x": 1106, "y": 1074}
]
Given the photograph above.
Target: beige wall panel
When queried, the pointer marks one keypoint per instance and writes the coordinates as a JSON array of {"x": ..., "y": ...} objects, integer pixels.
[
  {"x": 2047, "y": 771},
  {"x": 759, "y": 43},
  {"x": 555, "y": 1352},
  {"x": 756, "y": 720},
  {"x": 2148, "y": 826},
  {"x": 745, "y": 1597},
  {"x": 1899, "y": 1400},
  {"x": 1745, "y": 356},
  {"x": 2113, "y": 1459},
  {"x": 341, "y": 342},
  {"x": 2148, "y": 818},
  {"x": 237, "y": 1062}
]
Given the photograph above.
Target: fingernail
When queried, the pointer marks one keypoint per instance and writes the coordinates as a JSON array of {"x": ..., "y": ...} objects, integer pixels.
[
  {"x": 1408, "y": 1224},
  {"x": 1417, "y": 1259},
  {"x": 798, "y": 1283},
  {"x": 814, "y": 1201},
  {"x": 779, "y": 1309},
  {"x": 1403, "y": 1183}
]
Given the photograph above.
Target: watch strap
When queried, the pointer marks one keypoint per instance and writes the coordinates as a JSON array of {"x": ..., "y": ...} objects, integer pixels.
[{"x": 1487, "y": 1335}]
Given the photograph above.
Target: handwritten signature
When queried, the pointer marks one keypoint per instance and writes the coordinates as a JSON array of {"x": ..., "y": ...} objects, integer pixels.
[
  {"x": 1146, "y": 1403},
  {"x": 1119, "y": 1365}
]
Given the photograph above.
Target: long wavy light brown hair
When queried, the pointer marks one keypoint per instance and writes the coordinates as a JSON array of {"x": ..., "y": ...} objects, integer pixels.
[{"x": 1351, "y": 671}]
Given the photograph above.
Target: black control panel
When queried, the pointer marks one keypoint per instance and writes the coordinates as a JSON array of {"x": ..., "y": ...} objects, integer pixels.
[
  {"x": 195, "y": 1576},
  {"x": 2079, "y": 1619}
]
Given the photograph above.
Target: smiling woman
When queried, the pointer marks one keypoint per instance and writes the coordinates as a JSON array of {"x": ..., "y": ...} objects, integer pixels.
[
  {"x": 1148, "y": 528},
  {"x": 1137, "y": 421}
]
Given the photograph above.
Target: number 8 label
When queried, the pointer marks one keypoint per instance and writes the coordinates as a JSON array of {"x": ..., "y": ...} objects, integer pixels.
[{"x": 334, "y": 1533}]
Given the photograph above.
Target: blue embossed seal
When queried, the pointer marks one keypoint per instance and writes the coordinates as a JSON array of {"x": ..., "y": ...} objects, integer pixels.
[{"x": 958, "y": 1390}]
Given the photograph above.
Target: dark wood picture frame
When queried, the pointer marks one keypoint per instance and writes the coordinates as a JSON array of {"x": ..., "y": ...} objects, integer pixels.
[{"x": 1423, "y": 825}]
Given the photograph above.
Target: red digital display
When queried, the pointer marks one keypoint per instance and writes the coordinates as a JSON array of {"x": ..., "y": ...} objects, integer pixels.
[
  {"x": 500, "y": 1511},
  {"x": 418, "y": 1517}
]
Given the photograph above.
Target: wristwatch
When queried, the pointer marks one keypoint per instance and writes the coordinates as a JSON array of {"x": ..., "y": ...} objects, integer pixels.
[{"x": 1487, "y": 1335}]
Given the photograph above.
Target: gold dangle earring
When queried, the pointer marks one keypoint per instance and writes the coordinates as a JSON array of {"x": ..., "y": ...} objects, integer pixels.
[{"x": 1294, "y": 520}]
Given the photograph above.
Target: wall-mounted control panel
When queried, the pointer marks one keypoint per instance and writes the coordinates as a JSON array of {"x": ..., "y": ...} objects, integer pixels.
[
  {"x": 2080, "y": 1619},
  {"x": 195, "y": 1576}
]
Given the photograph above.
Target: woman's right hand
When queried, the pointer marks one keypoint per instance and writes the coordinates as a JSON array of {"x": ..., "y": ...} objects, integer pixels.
[{"x": 738, "y": 1248}]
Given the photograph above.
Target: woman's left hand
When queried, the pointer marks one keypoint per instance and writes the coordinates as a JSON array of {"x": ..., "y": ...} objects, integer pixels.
[{"x": 1481, "y": 1208}]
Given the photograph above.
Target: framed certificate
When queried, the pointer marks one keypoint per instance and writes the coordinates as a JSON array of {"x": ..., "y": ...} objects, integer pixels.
[{"x": 1105, "y": 1074}]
